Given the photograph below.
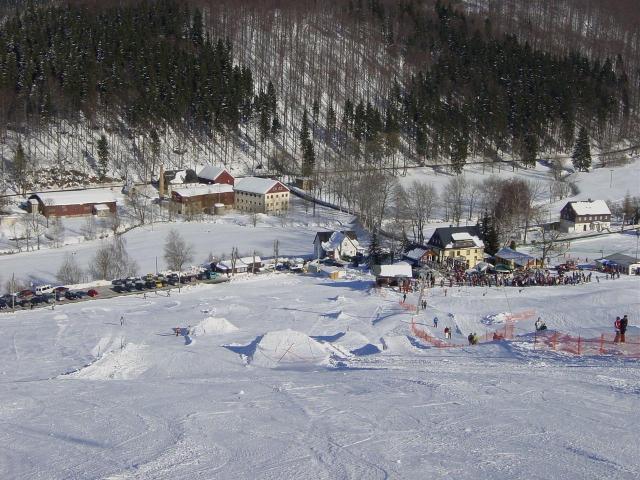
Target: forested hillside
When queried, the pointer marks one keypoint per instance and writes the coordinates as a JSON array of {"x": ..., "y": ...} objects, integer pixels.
[{"x": 113, "y": 89}]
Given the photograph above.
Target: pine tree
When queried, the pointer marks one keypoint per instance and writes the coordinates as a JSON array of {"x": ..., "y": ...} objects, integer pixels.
[
  {"x": 103, "y": 156},
  {"x": 374, "y": 251},
  {"x": 489, "y": 235},
  {"x": 581, "y": 157}
]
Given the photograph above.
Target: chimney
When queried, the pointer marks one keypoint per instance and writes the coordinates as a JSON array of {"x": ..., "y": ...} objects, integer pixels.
[{"x": 161, "y": 183}]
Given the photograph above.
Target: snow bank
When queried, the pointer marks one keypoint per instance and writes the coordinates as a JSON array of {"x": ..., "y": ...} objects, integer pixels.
[{"x": 495, "y": 319}]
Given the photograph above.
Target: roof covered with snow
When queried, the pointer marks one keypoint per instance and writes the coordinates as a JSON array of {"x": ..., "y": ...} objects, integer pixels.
[
  {"x": 209, "y": 172},
  {"x": 197, "y": 190},
  {"x": 336, "y": 240},
  {"x": 76, "y": 197},
  {"x": 593, "y": 207},
  {"x": 518, "y": 258},
  {"x": 257, "y": 185},
  {"x": 394, "y": 270}
]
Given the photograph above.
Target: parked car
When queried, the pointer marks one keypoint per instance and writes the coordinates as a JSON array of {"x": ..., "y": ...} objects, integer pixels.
[
  {"x": 81, "y": 293},
  {"x": 3, "y": 305},
  {"x": 119, "y": 288},
  {"x": 61, "y": 289},
  {"x": 92, "y": 293},
  {"x": 37, "y": 300},
  {"x": 130, "y": 287},
  {"x": 48, "y": 297},
  {"x": 158, "y": 283},
  {"x": 60, "y": 297},
  {"x": 25, "y": 302},
  {"x": 150, "y": 284},
  {"x": 140, "y": 286},
  {"x": 70, "y": 295},
  {"x": 184, "y": 279},
  {"x": 173, "y": 281},
  {"x": 26, "y": 294},
  {"x": 116, "y": 281}
]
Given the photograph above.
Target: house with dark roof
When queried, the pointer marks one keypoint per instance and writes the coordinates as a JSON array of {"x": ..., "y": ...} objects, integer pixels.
[
  {"x": 458, "y": 245},
  {"x": 336, "y": 244},
  {"x": 584, "y": 216},
  {"x": 624, "y": 263}
]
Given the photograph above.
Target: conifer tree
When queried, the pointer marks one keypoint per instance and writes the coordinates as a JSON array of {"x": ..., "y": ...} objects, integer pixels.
[
  {"x": 103, "y": 156},
  {"x": 581, "y": 157},
  {"x": 489, "y": 235}
]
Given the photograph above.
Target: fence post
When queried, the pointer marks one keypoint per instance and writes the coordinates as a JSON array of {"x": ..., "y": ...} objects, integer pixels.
[
  {"x": 554, "y": 338},
  {"x": 602, "y": 344},
  {"x": 579, "y": 343}
]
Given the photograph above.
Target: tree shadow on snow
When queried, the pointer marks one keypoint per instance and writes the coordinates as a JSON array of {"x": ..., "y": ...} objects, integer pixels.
[
  {"x": 328, "y": 338},
  {"x": 247, "y": 350}
]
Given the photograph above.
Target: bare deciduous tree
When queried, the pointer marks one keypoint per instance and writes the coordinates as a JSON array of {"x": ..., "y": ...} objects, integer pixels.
[
  {"x": 70, "y": 271},
  {"x": 177, "y": 251}
]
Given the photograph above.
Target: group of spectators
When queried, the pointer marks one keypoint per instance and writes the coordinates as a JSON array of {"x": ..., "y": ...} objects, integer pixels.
[{"x": 459, "y": 277}]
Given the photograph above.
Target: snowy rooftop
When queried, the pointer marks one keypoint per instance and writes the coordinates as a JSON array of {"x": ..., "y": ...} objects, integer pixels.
[
  {"x": 77, "y": 197},
  {"x": 400, "y": 268},
  {"x": 256, "y": 185},
  {"x": 203, "y": 189},
  {"x": 466, "y": 239},
  {"x": 593, "y": 207},
  {"x": 518, "y": 258},
  {"x": 209, "y": 172},
  {"x": 336, "y": 240}
]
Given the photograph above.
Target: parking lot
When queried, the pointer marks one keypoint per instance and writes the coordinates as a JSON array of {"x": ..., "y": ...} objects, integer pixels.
[{"x": 105, "y": 291}]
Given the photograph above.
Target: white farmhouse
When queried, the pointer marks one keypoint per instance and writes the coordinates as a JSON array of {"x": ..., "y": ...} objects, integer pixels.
[
  {"x": 584, "y": 216},
  {"x": 260, "y": 195}
]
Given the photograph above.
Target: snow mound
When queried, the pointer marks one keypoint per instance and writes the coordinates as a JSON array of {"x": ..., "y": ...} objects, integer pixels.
[
  {"x": 495, "y": 319},
  {"x": 351, "y": 341},
  {"x": 213, "y": 325},
  {"x": 288, "y": 347},
  {"x": 123, "y": 364},
  {"x": 339, "y": 298}
]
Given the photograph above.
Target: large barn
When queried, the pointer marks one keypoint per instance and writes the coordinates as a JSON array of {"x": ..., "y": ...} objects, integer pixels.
[{"x": 73, "y": 203}]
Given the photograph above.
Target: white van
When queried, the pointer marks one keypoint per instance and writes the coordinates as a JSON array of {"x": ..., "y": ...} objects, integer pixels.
[{"x": 43, "y": 289}]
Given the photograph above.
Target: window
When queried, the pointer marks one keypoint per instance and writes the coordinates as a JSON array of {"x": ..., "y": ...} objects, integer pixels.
[{"x": 468, "y": 252}]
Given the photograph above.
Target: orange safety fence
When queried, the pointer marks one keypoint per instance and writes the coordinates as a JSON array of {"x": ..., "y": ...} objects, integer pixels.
[
  {"x": 408, "y": 306},
  {"x": 521, "y": 316},
  {"x": 605, "y": 344},
  {"x": 380, "y": 292},
  {"x": 502, "y": 333}
]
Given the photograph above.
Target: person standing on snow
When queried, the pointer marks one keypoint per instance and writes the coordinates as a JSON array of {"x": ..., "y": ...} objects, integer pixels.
[
  {"x": 623, "y": 328},
  {"x": 435, "y": 322},
  {"x": 475, "y": 338},
  {"x": 618, "y": 325},
  {"x": 470, "y": 338},
  {"x": 538, "y": 324}
]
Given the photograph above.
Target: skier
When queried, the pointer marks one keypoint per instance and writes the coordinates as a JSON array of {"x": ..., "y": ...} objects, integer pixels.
[
  {"x": 177, "y": 331},
  {"x": 470, "y": 338},
  {"x": 475, "y": 338},
  {"x": 121, "y": 320},
  {"x": 188, "y": 329},
  {"x": 538, "y": 324},
  {"x": 447, "y": 332},
  {"x": 435, "y": 322}
]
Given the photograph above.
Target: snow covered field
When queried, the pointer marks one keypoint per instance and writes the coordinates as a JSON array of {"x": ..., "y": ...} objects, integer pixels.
[
  {"x": 287, "y": 376},
  {"x": 301, "y": 377}
]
